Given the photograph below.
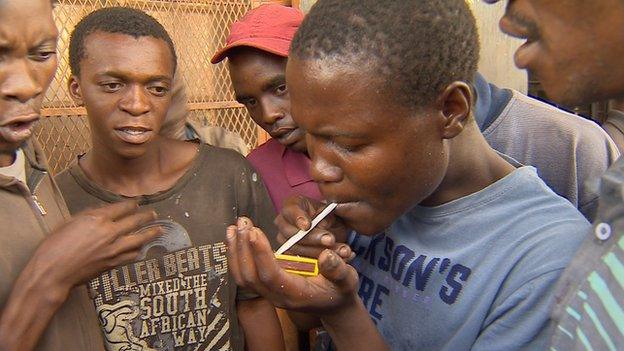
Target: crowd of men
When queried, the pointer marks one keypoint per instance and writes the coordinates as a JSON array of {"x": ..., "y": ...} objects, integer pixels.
[{"x": 469, "y": 216}]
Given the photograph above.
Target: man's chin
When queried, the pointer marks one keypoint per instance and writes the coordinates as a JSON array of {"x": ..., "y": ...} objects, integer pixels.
[
  {"x": 13, "y": 140},
  {"x": 7, "y": 147},
  {"x": 364, "y": 227},
  {"x": 298, "y": 146}
]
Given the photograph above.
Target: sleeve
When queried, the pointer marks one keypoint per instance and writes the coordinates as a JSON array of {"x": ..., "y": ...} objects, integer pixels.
[
  {"x": 520, "y": 322},
  {"x": 595, "y": 153},
  {"x": 254, "y": 202}
]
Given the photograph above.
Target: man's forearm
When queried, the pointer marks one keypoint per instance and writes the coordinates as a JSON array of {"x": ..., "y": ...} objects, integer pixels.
[
  {"x": 304, "y": 321},
  {"x": 261, "y": 327},
  {"x": 351, "y": 328},
  {"x": 33, "y": 300}
]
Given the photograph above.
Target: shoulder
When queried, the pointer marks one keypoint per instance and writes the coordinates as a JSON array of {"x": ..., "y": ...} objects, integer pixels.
[
  {"x": 539, "y": 116},
  {"x": 271, "y": 149},
  {"x": 528, "y": 218},
  {"x": 67, "y": 178},
  {"x": 219, "y": 136},
  {"x": 542, "y": 135},
  {"x": 75, "y": 189},
  {"x": 223, "y": 160},
  {"x": 542, "y": 223},
  {"x": 538, "y": 202}
]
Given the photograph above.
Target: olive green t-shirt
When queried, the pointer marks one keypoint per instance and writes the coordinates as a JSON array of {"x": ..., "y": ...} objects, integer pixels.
[{"x": 179, "y": 295}]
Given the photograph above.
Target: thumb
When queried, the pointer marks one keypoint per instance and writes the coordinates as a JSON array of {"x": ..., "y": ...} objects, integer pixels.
[{"x": 337, "y": 271}]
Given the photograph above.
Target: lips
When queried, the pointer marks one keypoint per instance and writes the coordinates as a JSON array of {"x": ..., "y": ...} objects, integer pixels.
[
  {"x": 286, "y": 136},
  {"x": 527, "y": 52},
  {"x": 18, "y": 129},
  {"x": 134, "y": 134},
  {"x": 346, "y": 209}
]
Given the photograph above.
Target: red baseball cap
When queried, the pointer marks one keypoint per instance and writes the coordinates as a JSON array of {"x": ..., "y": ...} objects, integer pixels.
[{"x": 269, "y": 27}]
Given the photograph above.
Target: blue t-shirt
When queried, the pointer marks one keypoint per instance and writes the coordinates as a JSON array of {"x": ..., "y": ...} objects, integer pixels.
[{"x": 476, "y": 273}]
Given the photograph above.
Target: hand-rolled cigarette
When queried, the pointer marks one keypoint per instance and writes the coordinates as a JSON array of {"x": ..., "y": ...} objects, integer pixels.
[{"x": 298, "y": 265}]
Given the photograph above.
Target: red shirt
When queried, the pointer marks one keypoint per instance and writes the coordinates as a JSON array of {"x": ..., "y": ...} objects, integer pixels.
[{"x": 284, "y": 172}]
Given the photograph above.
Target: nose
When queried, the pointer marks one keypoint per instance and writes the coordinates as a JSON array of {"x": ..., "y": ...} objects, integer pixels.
[
  {"x": 322, "y": 170},
  {"x": 20, "y": 83},
  {"x": 271, "y": 111},
  {"x": 135, "y": 102}
]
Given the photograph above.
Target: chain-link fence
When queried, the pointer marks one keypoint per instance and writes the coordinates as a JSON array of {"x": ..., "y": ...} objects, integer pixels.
[{"x": 198, "y": 28}]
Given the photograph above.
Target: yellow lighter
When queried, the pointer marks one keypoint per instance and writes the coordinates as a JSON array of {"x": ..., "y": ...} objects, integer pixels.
[{"x": 298, "y": 265}]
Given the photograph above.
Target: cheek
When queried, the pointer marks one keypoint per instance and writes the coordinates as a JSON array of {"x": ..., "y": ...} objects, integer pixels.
[
  {"x": 256, "y": 116},
  {"x": 160, "y": 113},
  {"x": 374, "y": 174},
  {"x": 45, "y": 74},
  {"x": 50, "y": 70},
  {"x": 411, "y": 173}
]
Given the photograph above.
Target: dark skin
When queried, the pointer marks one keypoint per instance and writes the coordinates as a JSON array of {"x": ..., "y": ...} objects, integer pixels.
[
  {"x": 28, "y": 65},
  {"x": 67, "y": 257},
  {"x": 259, "y": 81},
  {"x": 377, "y": 159},
  {"x": 576, "y": 57},
  {"x": 124, "y": 84}
]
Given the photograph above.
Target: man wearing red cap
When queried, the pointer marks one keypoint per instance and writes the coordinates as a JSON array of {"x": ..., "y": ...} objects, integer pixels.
[{"x": 257, "y": 49}]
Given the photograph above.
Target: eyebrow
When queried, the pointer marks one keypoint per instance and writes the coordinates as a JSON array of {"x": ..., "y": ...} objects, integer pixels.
[
  {"x": 6, "y": 45},
  {"x": 333, "y": 134},
  {"x": 271, "y": 84},
  {"x": 48, "y": 40},
  {"x": 241, "y": 98},
  {"x": 274, "y": 82},
  {"x": 119, "y": 75}
]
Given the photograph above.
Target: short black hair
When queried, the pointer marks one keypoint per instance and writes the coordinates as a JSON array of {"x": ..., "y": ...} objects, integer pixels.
[
  {"x": 123, "y": 20},
  {"x": 417, "y": 47}
]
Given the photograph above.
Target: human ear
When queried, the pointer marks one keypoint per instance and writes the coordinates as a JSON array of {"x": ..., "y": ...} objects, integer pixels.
[
  {"x": 75, "y": 91},
  {"x": 455, "y": 104}
]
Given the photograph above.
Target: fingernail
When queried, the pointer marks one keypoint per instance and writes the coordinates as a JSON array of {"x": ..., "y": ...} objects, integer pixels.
[
  {"x": 302, "y": 223},
  {"x": 343, "y": 251},
  {"x": 327, "y": 240},
  {"x": 230, "y": 233},
  {"x": 332, "y": 259},
  {"x": 253, "y": 236},
  {"x": 154, "y": 214},
  {"x": 243, "y": 223}
]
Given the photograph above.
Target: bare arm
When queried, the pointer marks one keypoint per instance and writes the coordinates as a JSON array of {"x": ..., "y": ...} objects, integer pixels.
[
  {"x": 88, "y": 244},
  {"x": 351, "y": 328},
  {"x": 33, "y": 301},
  {"x": 260, "y": 325}
]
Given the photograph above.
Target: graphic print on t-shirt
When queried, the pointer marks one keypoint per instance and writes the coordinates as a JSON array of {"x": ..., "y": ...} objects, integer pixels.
[
  {"x": 389, "y": 271},
  {"x": 174, "y": 298}
]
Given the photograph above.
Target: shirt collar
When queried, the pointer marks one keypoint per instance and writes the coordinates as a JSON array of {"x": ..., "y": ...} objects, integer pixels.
[{"x": 296, "y": 166}]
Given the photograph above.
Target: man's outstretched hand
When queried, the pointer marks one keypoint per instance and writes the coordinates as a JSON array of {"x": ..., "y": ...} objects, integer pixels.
[
  {"x": 331, "y": 295},
  {"x": 253, "y": 265}
]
